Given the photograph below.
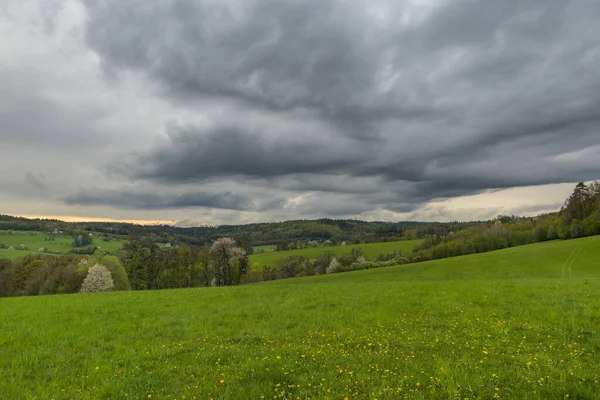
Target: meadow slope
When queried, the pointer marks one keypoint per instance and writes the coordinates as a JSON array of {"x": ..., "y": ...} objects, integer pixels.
[
  {"x": 372, "y": 250},
  {"x": 508, "y": 324},
  {"x": 35, "y": 240}
]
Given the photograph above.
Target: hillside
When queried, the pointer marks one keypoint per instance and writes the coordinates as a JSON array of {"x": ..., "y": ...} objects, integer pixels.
[
  {"x": 534, "y": 261},
  {"x": 372, "y": 250},
  {"x": 505, "y": 324},
  {"x": 257, "y": 234},
  {"x": 58, "y": 244}
]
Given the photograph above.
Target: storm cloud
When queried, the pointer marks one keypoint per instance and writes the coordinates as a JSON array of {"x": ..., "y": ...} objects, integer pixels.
[
  {"x": 133, "y": 199},
  {"x": 326, "y": 107}
]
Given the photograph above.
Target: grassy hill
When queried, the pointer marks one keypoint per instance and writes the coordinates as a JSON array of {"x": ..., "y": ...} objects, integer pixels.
[
  {"x": 372, "y": 250},
  {"x": 35, "y": 240},
  {"x": 507, "y": 324}
]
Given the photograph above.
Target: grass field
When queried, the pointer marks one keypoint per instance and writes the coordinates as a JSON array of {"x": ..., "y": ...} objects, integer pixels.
[
  {"x": 265, "y": 249},
  {"x": 372, "y": 250},
  {"x": 508, "y": 324},
  {"x": 35, "y": 240}
]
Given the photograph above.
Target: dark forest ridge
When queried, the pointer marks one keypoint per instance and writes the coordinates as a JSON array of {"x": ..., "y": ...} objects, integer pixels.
[{"x": 337, "y": 230}]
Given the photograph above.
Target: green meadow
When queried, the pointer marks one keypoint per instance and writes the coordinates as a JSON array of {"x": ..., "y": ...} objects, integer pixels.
[
  {"x": 264, "y": 249},
  {"x": 372, "y": 250},
  {"x": 521, "y": 323},
  {"x": 35, "y": 240}
]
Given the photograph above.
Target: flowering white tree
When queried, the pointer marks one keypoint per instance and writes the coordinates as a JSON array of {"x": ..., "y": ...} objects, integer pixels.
[
  {"x": 224, "y": 253},
  {"x": 361, "y": 259},
  {"x": 332, "y": 266},
  {"x": 98, "y": 279}
]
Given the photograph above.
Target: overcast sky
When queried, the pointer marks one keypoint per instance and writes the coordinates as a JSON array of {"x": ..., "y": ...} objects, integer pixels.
[{"x": 236, "y": 111}]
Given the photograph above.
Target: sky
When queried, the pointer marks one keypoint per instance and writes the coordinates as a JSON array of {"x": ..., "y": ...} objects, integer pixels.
[{"x": 197, "y": 112}]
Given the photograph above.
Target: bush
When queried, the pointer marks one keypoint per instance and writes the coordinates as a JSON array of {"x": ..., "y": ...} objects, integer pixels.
[
  {"x": 84, "y": 250},
  {"x": 98, "y": 279},
  {"x": 63, "y": 279},
  {"x": 357, "y": 266},
  {"x": 255, "y": 274},
  {"x": 333, "y": 265}
]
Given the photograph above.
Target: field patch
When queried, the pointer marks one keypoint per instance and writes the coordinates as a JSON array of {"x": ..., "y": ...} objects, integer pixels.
[
  {"x": 34, "y": 240},
  {"x": 372, "y": 250}
]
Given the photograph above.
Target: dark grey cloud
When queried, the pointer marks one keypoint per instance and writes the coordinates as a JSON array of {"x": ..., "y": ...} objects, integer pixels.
[
  {"x": 38, "y": 181},
  {"x": 35, "y": 119},
  {"x": 191, "y": 154},
  {"x": 448, "y": 102},
  {"x": 135, "y": 199},
  {"x": 277, "y": 54}
]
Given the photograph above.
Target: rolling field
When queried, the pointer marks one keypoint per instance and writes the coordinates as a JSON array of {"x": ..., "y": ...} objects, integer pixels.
[
  {"x": 35, "y": 240},
  {"x": 265, "y": 249},
  {"x": 372, "y": 250},
  {"x": 509, "y": 324}
]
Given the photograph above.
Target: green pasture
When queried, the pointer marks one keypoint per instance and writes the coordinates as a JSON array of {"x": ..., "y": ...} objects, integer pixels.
[
  {"x": 264, "y": 249},
  {"x": 372, "y": 250},
  {"x": 511, "y": 324},
  {"x": 35, "y": 240}
]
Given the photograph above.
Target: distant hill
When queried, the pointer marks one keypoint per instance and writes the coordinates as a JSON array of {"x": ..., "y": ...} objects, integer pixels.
[{"x": 273, "y": 233}]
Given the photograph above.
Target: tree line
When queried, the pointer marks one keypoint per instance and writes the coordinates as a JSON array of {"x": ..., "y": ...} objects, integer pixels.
[
  {"x": 578, "y": 217},
  {"x": 146, "y": 266}
]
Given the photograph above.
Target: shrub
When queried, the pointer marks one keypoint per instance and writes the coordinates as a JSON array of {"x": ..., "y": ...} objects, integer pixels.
[
  {"x": 332, "y": 266},
  {"x": 84, "y": 250},
  {"x": 63, "y": 279},
  {"x": 388, "y": 256},
  {"x": 254, "y": 275},
  {"x": 98, "y": 279}
]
